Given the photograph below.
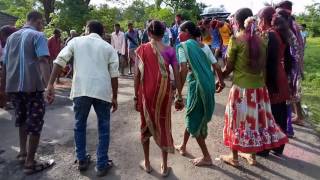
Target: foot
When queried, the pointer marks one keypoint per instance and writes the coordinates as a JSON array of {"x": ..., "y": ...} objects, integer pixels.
[
  {"x": 249, "y": 157},
  {"x": 201, "y": 161},
  {"x": 38, "y": 167},
  {"x": 21, "y": 157},
  {"x": 146, "y": 167},
  {"x": 165, "y": 171},
  {"x": 298, "y": 122},
  {"x": 228, "y": 159},
  {"x": 84, "y": 164},
  {"x": 104, "y": 171},
  {"x": 181, "y": 149}
]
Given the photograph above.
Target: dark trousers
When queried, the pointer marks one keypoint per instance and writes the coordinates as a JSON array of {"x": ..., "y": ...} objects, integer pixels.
[{"x": 279, "y": 112}]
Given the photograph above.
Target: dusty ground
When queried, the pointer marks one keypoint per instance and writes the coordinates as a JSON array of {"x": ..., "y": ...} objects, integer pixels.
[{"x": 301, "y": 159}]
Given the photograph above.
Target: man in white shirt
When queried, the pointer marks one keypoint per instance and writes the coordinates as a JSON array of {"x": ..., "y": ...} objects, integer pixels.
[
  {"x": 118, "y": 42},
  {"x": 95, "y": 83}
]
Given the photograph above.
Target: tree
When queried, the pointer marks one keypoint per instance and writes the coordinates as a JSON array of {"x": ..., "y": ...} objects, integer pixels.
[
  {"x": 71, "y": 14},
  {"x": 311, "y": 18},
  {"x": 107, "y": 16},
  {"x": 48, "y": 7}
]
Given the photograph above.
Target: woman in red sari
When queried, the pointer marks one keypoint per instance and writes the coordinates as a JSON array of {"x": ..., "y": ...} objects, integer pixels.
[{"x": 153, "y": 94}]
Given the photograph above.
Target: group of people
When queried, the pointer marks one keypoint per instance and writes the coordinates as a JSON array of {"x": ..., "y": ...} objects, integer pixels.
[{"x": 264, "y": 55}]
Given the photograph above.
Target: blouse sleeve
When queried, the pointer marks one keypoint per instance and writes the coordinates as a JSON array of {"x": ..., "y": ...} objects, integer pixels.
[
  {"x": 232, "y": 50},
  {"x": 210, "y": 55},
  {"x": 181, "y": 55}
]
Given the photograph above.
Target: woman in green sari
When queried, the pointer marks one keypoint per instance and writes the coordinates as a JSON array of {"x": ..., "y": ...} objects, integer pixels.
[{"x": 196, "y": 60}]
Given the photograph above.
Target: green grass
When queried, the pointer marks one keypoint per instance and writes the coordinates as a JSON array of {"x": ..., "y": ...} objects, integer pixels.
[{"x": 311, "y": 83}]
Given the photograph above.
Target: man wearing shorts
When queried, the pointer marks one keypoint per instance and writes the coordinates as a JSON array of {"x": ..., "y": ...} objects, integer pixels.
[
  {"x": 26, "y": 72},
  {"x": 132, "y": 43}
]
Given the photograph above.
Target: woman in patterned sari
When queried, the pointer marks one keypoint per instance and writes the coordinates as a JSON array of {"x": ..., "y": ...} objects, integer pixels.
[
  {"x": 201, "y": 88},
  {"x": 249, "y": 124},
  {"x": 153, "y": 94}
]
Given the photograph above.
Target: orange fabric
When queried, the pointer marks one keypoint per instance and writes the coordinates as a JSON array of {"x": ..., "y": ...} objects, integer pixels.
[{"x": 225, "y": 33}]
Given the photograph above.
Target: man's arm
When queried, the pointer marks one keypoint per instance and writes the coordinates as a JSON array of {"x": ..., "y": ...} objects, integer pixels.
[
  {"x": 113, "y": 68},
  {"x": 44, "y": 68}
]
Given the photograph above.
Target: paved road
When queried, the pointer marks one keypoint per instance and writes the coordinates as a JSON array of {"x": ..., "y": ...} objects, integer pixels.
[{"x": 301, "y": 160}]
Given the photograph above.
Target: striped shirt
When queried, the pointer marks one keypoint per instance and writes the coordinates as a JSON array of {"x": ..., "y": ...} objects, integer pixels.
[{"x": 21, "y": 60}]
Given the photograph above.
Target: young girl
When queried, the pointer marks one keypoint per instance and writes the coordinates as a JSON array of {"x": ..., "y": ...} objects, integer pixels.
[{"x": 249, "y": 123}]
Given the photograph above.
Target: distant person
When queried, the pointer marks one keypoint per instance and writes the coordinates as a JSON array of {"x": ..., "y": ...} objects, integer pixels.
[
  {"x": 175, "y": 29},
  {"x": 304, "y": 34},
  {"x": 95, "y": 84},
  {"x": 216, "y": 38},
  {"x": 225, "y": 33},
  {"x": 132, "y": 43},
  {"x": 118, "y": 42},
  {"x": 145, "y": 37},
  {"x": 206, "y": 35},
  {"x": 249, "y": 124},
  {"x": 152, "y": 84},
  {"x": 167, "y": 36},
  {"x": 26, "y": 71},
  {"x": 73, "y": 34},
  {"x": 5, "y": 32},
  {"x": 55, "y": 45}
]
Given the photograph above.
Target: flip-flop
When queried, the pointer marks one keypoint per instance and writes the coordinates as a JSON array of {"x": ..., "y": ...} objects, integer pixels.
[
  {"x": 201, "y": 163},
  {"x": 178, "y": 148},
  {"x": 144, "y": 168},
  {"x": 229, "y": 160},
  {"x": 165, "y": 173},
  {"x": 249, "y": 158},
  {"x": 38, "y": 167}
]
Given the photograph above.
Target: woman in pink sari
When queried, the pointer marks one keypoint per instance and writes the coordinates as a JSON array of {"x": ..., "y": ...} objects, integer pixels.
[{"x": 153, "y": 94}]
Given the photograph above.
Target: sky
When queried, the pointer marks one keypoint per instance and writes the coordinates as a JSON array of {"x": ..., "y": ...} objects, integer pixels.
[{"x": 233, "y": 5}]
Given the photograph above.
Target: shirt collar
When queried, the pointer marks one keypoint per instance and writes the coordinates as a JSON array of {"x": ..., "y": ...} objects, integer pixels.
[
  {"x": 29, "y": 26},
  {"x": 95, "y": 35}
]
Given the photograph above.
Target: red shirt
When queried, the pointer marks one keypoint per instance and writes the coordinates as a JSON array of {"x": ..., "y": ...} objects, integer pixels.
[{"x": 55, "y": 46}]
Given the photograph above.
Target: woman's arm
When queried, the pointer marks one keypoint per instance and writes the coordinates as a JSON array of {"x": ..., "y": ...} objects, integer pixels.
[
  {"x": 218, "y": 71},
  {"x": 177, "y": 79},
  {"x": 137, "y": 78}
]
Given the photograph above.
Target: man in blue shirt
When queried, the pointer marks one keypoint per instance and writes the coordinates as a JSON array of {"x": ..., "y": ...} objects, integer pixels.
[
  {"x": 132, "y": 43},
  {"x": 26, "y": 71},
  {"x": 176, "y": 29}
]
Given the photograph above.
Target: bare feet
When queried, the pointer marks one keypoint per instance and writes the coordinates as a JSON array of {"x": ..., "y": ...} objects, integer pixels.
[
  {"x": 146, "y": 166},
  {"x": 298, "y": 122},
  {"x": 165, "y": 171},
  {"x": 181, "y": 149},
  {"x": 201, "y": 161},
  {"x": 249, "y": 157},
  {"x": 229, "y": 160}
]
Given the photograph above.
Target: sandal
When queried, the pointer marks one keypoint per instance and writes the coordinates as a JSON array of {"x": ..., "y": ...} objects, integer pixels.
[
  {"x": 249, "y": 158},
  {"x": 21, "y": 158},
  {"x": 228, "y": 159},
  {"x": 165, "y": 173},
  {"x": 143, "y": 167},
  {"x": 38, "y": 167}
]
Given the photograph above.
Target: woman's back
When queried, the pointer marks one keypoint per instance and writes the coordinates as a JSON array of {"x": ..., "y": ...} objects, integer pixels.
[{"x": 245, "y": 75}]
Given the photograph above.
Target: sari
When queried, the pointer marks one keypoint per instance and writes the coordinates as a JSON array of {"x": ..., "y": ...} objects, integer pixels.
[
  {"x": 155, "y": 96},
  {"x": 201, "y": 89}
]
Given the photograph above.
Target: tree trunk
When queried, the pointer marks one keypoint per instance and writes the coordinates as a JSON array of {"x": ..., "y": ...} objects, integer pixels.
[{"x": 48, "y": 6}]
